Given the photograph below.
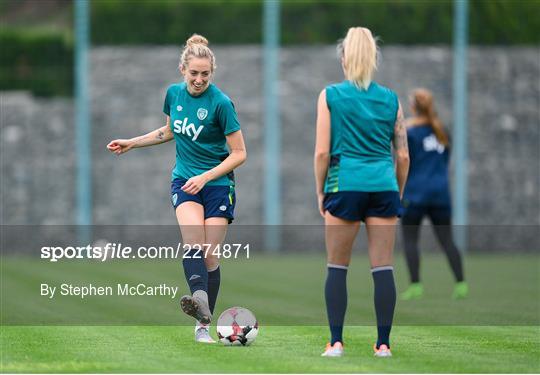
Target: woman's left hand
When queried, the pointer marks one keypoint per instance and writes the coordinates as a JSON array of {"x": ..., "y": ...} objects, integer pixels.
[{"x": 195, "y": 184}]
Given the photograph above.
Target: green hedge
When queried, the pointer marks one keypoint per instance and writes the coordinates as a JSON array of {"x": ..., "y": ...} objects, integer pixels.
[
  {"x": 312, "y": 22},
  {"x": 39, "y": 61},
  {"x": 172, "y": 22},
  {"x": 42, "y": 61}
]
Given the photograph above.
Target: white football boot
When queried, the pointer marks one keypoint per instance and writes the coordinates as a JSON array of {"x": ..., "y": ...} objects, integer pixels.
[
  {"x": 202, "y": 334},
  {"x": 383, "y": 351},
  {"x": 335, "y": 350}
]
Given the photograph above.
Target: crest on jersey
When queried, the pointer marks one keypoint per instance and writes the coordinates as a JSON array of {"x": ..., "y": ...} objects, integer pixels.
[
  {"x": 179, "y": 108},
  {"x": 202, "y": 113}
]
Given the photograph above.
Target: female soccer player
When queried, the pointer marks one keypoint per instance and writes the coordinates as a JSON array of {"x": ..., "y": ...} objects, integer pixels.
[
  {"x": 357, "y": 122},
  {"x": 203, "y": 122},
  {"x": 427, "y": 192}
]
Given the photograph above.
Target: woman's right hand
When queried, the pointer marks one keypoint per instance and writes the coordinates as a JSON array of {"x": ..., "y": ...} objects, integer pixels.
[{"x": 120, "y": 146}]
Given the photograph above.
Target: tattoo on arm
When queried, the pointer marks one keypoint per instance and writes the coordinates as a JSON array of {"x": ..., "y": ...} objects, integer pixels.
[
  {"x": 400, "y": 133},
  {"x": 160, "y": 135}
]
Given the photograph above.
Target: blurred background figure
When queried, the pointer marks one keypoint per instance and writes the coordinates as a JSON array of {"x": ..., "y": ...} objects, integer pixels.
[{"x": 427, "y": 192}]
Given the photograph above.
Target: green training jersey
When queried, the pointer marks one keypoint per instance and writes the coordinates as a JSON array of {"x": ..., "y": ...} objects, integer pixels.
[
  {"x": 200, "y": 124},
  {"x": 362, "y": 128}
]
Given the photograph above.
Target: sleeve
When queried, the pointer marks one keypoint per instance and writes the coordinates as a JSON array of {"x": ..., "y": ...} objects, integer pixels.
[
  {"x": 166, "y": 104},
  {"x": 226, "y": 115}
]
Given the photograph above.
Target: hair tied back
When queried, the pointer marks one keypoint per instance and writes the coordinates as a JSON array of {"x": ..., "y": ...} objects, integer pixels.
[{"x": 196, "y": 39}]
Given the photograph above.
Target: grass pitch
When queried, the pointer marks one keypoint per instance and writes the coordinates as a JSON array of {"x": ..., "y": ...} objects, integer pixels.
[
  {"x": 495, "y": 330},
  {"x": 277, "y": 350}
]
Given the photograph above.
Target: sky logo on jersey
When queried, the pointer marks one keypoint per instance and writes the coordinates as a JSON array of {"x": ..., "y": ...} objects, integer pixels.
[
  {"x": 181, "y": 127},
  {"x": 202, "y": 113},
  {"x": 431, "y": 144}
]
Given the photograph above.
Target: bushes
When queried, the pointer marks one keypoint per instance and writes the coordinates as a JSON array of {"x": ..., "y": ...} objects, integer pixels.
[
  {"x": 172, "y": 22},
  {"x": 39, "y": 61},
  {"x": 42, "y": 60},
  {"x": 311, "y": 21}
]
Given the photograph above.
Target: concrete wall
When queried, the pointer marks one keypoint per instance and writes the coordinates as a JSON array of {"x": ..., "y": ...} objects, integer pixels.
[{"x": 128, "y": 87}]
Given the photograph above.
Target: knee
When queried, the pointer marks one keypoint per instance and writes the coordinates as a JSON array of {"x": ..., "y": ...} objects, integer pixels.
[
  {"x": 381, "y": 259},
  {"x": 338, "y": 260},
  {"x": 212, "y": 263}
]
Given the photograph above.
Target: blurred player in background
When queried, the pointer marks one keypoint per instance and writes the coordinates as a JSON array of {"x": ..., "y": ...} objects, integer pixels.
[
  {"x": 357, "y": 122},
  {"x": 203, "y": 122},
  {"x": 427, "y": 192}
]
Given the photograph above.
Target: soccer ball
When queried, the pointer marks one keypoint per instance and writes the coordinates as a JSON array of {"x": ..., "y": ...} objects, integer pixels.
[{"x": 237, "y": 326}]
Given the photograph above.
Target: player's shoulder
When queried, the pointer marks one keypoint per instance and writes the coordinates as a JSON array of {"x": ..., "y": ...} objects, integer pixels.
[
  {"x": 337, "y": 86},
  {"x": 383, "y": 90},
  {"x": 385, "y": 95},
  {"x": 334, "y": 90},
  {"x": 218, "y": 96},
  {"x": 175, "y": 88}
]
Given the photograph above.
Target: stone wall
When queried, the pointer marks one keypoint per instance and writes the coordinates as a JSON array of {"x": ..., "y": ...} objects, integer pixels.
[{"x": 128, "y": 86}]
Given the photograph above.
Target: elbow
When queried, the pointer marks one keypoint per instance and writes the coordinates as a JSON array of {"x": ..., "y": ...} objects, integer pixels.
[
  {"x": 322, "y": 155},
  {"x": 403, "y": 157},
  {"x": 241, "y": 156},
  {"x": 405, "y": 160}
]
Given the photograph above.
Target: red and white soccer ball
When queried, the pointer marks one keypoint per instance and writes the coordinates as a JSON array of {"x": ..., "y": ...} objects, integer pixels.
[{"x": 237, "y": 326}]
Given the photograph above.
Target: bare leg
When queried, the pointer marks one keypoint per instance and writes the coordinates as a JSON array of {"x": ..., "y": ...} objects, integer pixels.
[
  {"x": 190, "y": 217},
  {"x": 381, "y": 233},
  {"x": 340, "y": 236}
]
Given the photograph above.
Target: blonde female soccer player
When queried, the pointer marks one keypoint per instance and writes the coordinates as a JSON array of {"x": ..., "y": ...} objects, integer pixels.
[
  {"x": 358, "y": 121},
  {"x": 427, "y": 192},
  {"x": 203, "y": 122}
]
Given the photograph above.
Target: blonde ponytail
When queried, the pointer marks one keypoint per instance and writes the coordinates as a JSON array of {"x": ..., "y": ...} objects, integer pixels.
[{"x": 359, "y": 53}]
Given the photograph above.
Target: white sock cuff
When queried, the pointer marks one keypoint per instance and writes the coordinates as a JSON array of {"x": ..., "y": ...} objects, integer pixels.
[
  {"x": 382, "y": 268},
  {"x": 330, "y": 265}
]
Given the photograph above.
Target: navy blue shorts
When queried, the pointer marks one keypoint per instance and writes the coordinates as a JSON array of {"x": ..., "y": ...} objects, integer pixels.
[
  {"x": 357, "y": 205},
  {"x": 218, "y": 201}
]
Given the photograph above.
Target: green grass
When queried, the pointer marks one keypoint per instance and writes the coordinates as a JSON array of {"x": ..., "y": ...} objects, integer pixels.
[
  {"x": 495, "y": 330},
  {"x": 284, "y": 290},
  {"x": 277, "y": 350}
]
